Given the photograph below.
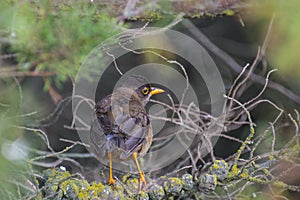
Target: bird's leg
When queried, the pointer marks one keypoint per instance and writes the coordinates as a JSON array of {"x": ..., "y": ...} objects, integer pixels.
[
  {"x": 111, "y": 180},
  {"x": 141, "y": 173}
]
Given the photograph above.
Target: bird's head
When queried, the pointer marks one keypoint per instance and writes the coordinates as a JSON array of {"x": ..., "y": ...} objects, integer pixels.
[
  {"x": 141, "y": 87},
  {"x": 145, "y": 92}
]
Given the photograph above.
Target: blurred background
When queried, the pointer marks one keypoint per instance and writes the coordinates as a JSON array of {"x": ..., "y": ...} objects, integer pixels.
[{"x": 44, "y": 43}]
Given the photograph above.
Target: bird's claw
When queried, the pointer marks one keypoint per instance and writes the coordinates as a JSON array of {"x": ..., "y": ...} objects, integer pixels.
[{"x": 111, "y": 181}]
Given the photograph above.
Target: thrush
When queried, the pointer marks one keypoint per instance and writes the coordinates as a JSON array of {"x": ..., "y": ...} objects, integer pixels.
[{"x": 122, "y": 129}]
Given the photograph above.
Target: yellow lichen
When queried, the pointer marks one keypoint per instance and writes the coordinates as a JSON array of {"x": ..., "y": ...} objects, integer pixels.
[
  {"x": 244, "y": 174},
  {"x": 257, "y": 180},
  {"x": 215, "y": 166},
  {"x": 252, "y": 130},
  {"x": 279, "y": 184},
  {"x": 132, "y": 184},
  {"x": 229, "y": 12},
  {"x": 198, "y": 15},
  {"x": 234, "y": 171},
  {"x": 91, "y": 191},
  {"x": 173, "y": 185}
]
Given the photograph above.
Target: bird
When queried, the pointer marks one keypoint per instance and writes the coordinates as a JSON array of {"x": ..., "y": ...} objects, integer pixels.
[{"x": 122, "y": 130}]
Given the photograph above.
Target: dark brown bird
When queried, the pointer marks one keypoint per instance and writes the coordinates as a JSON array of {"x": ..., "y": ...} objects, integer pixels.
[{"x": 122, "y": 129}]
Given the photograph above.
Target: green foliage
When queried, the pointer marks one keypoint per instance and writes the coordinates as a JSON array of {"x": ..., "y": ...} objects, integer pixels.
[
  {"x": 285, "y": 39},
  {"x": 55, "y": 37},
  {"x": 12, "y": 158}
]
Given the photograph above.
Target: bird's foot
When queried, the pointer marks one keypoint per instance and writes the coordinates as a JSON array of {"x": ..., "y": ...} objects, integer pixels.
[
  {"x": 111, "y": 181},
  {"x": 142, "y": 181}
]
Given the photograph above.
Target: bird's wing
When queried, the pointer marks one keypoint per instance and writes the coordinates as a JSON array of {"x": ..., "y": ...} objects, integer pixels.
[
  {"x": 104, "y": 141},
  {"x": 135, "y": 126},
  {"x": 123, "y": 124},
  {"x": 97, "y": 138},
  {"x": 100, "y": 127}
]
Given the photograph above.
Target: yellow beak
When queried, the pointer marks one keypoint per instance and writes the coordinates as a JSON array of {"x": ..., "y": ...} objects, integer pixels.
[{"x": 156, "y": 91}]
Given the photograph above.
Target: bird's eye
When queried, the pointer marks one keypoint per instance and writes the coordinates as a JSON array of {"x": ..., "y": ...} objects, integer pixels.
[{"x": 145, "y": 90}]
